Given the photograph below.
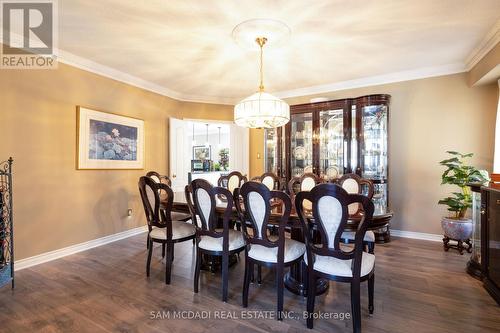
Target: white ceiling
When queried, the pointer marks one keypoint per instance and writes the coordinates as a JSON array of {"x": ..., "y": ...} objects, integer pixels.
[{"x": 184, "y": 48}]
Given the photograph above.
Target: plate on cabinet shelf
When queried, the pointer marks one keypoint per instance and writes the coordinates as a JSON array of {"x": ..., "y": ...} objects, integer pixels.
[
  {"x": 299, "y": 153},
  {"x": 332, "y": 172}
]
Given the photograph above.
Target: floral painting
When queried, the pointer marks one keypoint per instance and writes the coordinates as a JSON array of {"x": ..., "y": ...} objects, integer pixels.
[{"x": 109, "y": 141}]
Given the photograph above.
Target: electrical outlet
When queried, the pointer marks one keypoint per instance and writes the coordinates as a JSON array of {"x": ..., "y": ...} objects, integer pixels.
[{"x": 129, "y": 212}]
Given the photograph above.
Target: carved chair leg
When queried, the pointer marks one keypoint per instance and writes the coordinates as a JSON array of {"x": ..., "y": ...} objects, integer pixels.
[
  {"x": 163, "y": 250},
  {"x": 280, "y": 285},
  {"x": 355, "y": 306},
  {"x": 371, "y": 289},
  {"x": 197, "y": 270},
  {"x": 371, "y": 247},
  {"x": 246, "y": 282},
  {"x": 259, "y": 274},
  {"x": 168, "y": 262},
  {"x": 311, "y": 294},
  {"x": 225, "y": 277},
  {"x": 150, "y": 253}
]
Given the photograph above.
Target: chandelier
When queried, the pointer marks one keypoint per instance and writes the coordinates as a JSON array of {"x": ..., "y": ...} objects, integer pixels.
[{"x": 261, "y": 110}]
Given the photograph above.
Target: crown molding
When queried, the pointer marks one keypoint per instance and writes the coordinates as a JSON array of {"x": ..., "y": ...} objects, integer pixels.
[
  {"x": 489, "y": 41},
  {"x": 408, "y": 75}
]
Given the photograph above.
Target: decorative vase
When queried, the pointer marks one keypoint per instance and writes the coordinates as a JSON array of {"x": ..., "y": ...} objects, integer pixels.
[{"x": 459, "y": 231}]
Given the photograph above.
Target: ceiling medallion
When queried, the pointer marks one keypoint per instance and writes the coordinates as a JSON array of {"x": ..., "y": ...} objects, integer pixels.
[{"x": 261, "y": 110}]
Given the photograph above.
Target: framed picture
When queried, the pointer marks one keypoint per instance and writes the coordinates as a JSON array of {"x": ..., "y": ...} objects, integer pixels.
[
  {"x": 109, "y": 141},
  {"x": 201, "y": 153}
]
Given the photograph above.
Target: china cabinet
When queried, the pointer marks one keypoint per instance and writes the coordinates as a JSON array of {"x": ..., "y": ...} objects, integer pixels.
[{"x": 333, "y": 138}]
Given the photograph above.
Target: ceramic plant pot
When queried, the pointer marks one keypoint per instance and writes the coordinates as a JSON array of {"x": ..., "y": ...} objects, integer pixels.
[{"x": 457, "y": 229}]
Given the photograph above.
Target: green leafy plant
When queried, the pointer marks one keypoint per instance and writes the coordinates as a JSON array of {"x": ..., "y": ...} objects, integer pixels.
[
  {"x": 459, "y": 173},
  {"x": 224, "y": 159}
]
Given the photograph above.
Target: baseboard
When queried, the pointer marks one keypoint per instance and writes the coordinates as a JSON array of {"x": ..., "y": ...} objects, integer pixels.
[
  {"x": 56, "y": 254},
  {"x": 417, "y": 235}
]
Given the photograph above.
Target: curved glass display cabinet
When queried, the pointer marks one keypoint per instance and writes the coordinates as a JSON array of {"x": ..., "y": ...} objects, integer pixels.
[
  {"x": 474, "y": 263},
  {"x": 333, "y": 138}
]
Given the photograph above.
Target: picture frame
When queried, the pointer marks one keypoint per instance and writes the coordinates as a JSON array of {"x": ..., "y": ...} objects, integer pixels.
[
  {"x": 202, "y": 153},
  {"x": 108, "y": 141}
]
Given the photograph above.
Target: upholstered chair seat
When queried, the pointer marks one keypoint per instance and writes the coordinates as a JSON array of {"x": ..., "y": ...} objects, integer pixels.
[
  {"x": 338, "y": 267},
  {"x": 236, "y": 241},
  {"x": 293, "y": 250},
  {"x": 179, "y": 216},
  {"x": 180, "y": 229},
  {"x": 349, "y": 236}
]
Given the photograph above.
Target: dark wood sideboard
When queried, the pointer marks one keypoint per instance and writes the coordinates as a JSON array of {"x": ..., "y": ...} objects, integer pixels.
[{"x": 490, "y": 239}]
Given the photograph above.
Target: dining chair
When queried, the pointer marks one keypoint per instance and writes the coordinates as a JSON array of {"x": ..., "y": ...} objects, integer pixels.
[
  {"x": 161, "y": 228},
  {"x": 355, "y": 184},
  {"x": 232, "y": 180},
  {"x": 303, "y": 183},
  {"x": 270, "y": 179},
  {"x": 159, "y": 178},
  {"x": 328, "y": 259},
  {"x": 261, "y": 248},
  {"x": 210, "y": 239},
  {"x": 176, "y": 216}
]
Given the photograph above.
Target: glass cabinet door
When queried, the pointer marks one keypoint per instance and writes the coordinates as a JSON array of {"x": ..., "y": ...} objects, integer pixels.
[
  {"x": 373, "y": 150},
  {"x": 301, "y": 144},
  {"x": 271, "y": 151},
  {"x": 331, "y": 144}
]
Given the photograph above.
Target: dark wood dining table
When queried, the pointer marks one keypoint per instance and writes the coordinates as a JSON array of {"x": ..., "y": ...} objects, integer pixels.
[{"x": 296, "y": 278}]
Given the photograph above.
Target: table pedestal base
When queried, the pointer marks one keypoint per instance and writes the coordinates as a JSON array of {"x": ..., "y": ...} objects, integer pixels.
[
  {"x": 214, "y": 263},
  {"x": 295, "y": 281}
]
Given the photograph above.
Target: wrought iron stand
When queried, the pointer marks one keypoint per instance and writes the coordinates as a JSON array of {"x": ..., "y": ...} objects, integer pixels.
[{"x": 6, "y": 226}]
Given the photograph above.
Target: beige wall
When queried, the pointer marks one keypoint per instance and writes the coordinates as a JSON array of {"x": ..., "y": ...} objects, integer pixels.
[
  {"x": 427, "y": 118},
  {"x": 56, "y": 205}
]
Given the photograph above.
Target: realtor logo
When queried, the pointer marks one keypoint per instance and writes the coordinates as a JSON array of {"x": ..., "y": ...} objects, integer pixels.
[{"x": 29, "y": 34}]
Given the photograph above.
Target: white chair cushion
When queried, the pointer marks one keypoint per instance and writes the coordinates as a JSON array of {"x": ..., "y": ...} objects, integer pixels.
[
  {"x": 180, "y": 230},
  {"x": 236, "y": 241},
  {"x": 293, "y": 250},
  {"x": 349, "y": 235},
  {"x": 339, "y": 267},
  {"x": 180, "y": 216}
]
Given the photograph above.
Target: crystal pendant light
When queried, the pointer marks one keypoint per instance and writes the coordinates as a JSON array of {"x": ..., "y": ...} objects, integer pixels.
[{"x": 261, "y": 110}]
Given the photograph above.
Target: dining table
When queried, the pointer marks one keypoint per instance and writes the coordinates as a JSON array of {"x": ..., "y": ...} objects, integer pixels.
[{"x": 295, "y": 279}]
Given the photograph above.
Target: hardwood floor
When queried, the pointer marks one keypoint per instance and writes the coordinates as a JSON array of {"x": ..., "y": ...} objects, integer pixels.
[{"x": 418, "y": 288}]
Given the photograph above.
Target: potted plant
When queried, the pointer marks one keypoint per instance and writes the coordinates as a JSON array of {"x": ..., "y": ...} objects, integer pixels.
[{"x": 458, "y": 227}]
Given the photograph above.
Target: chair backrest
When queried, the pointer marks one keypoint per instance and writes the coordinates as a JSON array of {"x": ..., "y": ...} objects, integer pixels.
[
  {"x": 270, "y": 179},
  {"x": 160, "y": 180},
  {"x": 204, "y": 205},
  {"x": 330, "y": 213},
  {"x": 306, "y": 182},
  {"x": 354, "y": 184},
  {"x": 231, "y": 181},
  {"x": 257, "y": 209},
  {"x": 150, "y": 196}
]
